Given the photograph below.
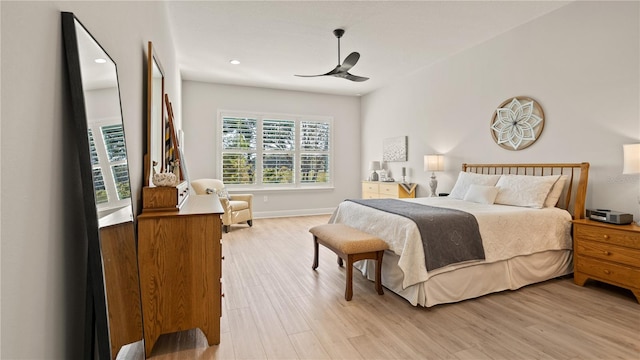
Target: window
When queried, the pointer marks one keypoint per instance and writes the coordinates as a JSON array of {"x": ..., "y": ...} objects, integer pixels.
[
  {"x": 109, "y": 161},
  {"x": 265, "y": 150}
]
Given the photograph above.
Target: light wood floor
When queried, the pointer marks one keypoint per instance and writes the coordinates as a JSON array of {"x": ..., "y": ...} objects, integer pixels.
[{"x": 276, "y": 307}]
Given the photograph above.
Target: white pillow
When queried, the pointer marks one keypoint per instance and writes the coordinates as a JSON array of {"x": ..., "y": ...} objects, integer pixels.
[
  {"x": 482, "y": 194},
  {"x": 556, "y": 191},
  {"x": 466, "y": 179},
  {"x": 524, "y": 190}
]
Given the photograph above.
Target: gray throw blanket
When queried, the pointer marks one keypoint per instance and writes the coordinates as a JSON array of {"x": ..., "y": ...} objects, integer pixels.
[{"x": 448, "y": 236}]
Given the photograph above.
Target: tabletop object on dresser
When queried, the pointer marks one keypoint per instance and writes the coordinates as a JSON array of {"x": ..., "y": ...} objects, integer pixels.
[{"x": 607, "y": 253}]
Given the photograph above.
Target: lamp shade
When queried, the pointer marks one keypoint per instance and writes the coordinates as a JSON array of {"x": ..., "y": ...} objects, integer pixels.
[
  {"x": 374, "y": 165},
  {"x": 434, "y": 162},
  {"x": 631, "y": 159}
]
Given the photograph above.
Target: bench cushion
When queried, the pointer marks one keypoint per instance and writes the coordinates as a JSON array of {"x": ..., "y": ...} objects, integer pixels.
[{"x": 347, "y": 239}]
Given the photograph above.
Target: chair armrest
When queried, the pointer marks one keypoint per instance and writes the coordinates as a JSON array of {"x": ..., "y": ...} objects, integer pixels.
[
  {"x": 242, "y": 197},
  {"x": 225, "y": 205}
]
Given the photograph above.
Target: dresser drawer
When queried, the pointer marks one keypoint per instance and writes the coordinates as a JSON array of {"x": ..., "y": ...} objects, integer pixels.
[
  {"x": 369, "y": 195},
  {"x": 608, "y": 272},
  {"x": 618, "y": 254},
  {"x": 369, "y": 187},
  {"x": 608, "y": 235},
  {"x": 388, "y": 190}
]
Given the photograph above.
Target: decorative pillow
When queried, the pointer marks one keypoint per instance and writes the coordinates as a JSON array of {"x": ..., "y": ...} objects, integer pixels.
[
  {"x": 556, "y": 191},
  {"x": 466, "y": 179},
  {"x": 523, "y": 190},
  {"x": 482, "y": 194},
  {"x": 223, "y": 193}
]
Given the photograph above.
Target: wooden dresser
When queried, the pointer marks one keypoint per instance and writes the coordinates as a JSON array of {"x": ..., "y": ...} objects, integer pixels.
[
  {"x": 607, "y": 253},
  {"x": 179, "y": 257},
  {"x": 387, "y": 190}
]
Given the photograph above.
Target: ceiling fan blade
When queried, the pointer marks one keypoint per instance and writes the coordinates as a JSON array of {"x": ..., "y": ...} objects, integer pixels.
[
  {"x": 350, "y": 61},
  {"x": 335, "y": 70},
  {"x": 354, "y": 77}
]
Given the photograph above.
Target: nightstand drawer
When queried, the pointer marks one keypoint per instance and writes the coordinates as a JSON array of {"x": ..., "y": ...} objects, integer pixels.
[
  {"x": 608, "y": 272},
  {"x": 618, "y": 254},
  {"x": 370, "y": 195},
  {"x": 608, "y": 235},
  {"x": 389, "y": 190}
]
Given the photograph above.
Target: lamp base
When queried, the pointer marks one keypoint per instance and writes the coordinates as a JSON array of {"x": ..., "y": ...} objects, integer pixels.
[
  {"x": 433, "y": 184},
  {"x": 374, "y": 176}
]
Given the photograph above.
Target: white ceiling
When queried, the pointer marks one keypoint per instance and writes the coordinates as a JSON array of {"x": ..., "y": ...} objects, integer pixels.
[{"x": 276, "y": 39}]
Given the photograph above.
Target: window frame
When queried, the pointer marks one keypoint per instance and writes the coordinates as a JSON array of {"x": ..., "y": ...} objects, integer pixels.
[
  {"x": 259, "y": 152},
  {"x": 106, "y": 167}
]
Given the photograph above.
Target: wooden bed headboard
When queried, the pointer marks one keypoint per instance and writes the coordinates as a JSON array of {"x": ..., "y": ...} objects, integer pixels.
[{"x": 574, "y": 194}]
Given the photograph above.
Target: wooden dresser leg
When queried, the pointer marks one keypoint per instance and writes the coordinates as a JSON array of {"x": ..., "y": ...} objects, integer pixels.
[
  {"x": 579, "y": 279},
  {"x": 315, "y": 253},
  {"x": 349, "y": 290},
  {"x": 149, "y": 342},
  {"x": 379, "y": 255}
]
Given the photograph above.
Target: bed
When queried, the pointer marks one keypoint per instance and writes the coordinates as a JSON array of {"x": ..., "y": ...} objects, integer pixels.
[{"x": 523, "y": 214}]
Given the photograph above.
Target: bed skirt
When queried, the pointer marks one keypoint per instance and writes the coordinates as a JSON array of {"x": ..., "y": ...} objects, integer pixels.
[{"x": 474, "y": 280}]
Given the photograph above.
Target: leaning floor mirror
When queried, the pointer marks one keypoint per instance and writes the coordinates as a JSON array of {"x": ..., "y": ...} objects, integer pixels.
[{"x": 114, "y": 295}]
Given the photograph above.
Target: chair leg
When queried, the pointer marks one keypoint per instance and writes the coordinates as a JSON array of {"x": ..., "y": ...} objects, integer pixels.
[
  {"x": 348, "y": 294},
  {"x": 225, "y": 228},
  {"x": 379, "y": 272},
  {"x": 250, "y": 223},
  {"x": 339, "y": 261},
  {"x": 315, "y": 253}
]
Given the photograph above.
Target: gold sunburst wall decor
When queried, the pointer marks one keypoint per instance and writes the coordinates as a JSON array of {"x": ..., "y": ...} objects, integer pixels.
[{"x": 517, "y": 123}]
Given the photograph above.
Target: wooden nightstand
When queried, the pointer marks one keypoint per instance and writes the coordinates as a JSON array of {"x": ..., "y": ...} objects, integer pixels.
[{"x": 607, "y": 253}]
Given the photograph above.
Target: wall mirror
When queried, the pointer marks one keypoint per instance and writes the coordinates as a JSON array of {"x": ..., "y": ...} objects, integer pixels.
[
  {"x": 155, "y": 115},
  {"x": 97, "y": 117}
]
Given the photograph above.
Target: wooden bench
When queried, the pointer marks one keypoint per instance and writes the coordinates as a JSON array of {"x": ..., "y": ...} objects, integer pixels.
[{"x": 350, "y": 245}]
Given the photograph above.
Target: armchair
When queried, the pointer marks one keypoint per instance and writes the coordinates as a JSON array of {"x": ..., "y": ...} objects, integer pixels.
[{"x": 237, "y": 207}]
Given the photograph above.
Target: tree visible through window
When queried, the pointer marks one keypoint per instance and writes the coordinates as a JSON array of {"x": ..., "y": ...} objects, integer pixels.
[{"x": 266, "y": 150}]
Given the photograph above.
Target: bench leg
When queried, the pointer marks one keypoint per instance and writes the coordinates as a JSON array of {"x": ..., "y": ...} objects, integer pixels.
[
  {"x": 348, "y": 294},
  {"x": 315, "y": 253},
  {"x": 379, "y": 272}
]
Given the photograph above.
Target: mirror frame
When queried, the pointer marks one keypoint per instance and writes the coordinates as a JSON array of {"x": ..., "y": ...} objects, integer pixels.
[
  {"x": 106, "y": 236},
  {"x": 157, "y": 124}
]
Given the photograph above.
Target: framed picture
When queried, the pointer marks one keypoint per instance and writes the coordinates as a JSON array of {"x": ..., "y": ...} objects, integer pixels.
[{"x": 394, "y": 149}]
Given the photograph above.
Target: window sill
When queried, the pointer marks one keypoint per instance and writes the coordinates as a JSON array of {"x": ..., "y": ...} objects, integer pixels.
[{"x": 278, "y": 189}]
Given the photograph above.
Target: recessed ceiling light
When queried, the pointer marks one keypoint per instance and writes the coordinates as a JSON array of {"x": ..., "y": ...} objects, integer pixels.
[
  {"x": 100, "y": 61},
  {"x": 234, "y": 61}
]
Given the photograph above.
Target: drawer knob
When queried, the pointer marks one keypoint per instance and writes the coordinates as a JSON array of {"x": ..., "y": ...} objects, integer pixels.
[
  {"x": 606, "y": 236},
  {"x": 606, "y": 252},
  {"x": 607, "y": 272}
]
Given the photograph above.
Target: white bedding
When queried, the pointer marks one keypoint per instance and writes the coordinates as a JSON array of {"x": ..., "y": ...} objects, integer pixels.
[{"x": 507, "y": 232}]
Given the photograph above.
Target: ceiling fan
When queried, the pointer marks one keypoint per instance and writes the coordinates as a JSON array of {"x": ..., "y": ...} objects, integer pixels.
[{"x": 342, "y": 71}]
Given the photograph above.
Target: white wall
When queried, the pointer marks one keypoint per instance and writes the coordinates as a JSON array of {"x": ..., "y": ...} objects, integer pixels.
[
  {"x": 201, "y": 102},
  {"x": 43, "y": 249},
  {"x": 581, "y": 63}
]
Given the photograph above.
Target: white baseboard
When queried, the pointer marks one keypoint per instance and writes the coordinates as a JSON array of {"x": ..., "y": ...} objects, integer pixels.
[{"x": 290, "y": 213}]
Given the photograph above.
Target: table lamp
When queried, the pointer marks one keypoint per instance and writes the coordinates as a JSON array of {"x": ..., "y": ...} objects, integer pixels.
[{"x": 433, "y": 163}]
